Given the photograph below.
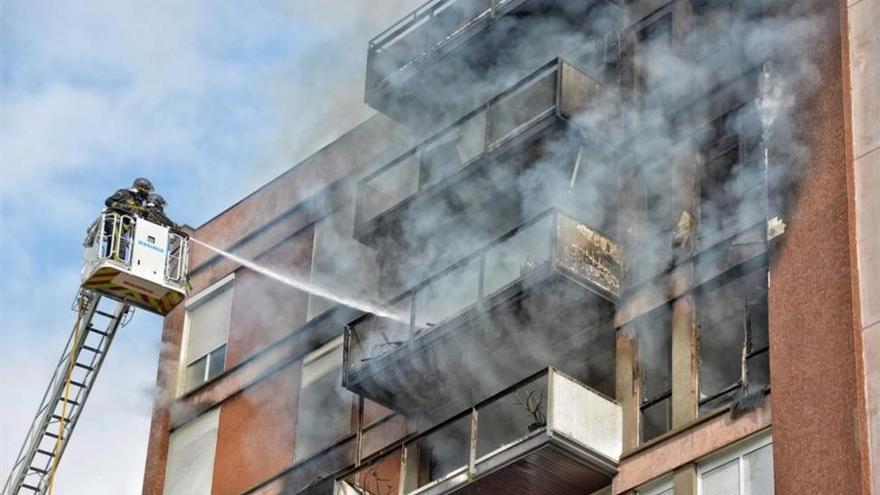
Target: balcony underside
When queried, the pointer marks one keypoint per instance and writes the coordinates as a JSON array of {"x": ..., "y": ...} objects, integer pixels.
[
  {"x": 549, "y": 317},
  {"x": 410, "y": 77},
  {"x": 540, "y": 465}
]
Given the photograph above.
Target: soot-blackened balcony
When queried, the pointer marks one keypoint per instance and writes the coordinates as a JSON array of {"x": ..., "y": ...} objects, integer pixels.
[
  {"x": 548, "y": 434},
  {"x": 537, "y": 296},
  {"x": 549, "y": 122},
  {"x": 453, "y": 54}
]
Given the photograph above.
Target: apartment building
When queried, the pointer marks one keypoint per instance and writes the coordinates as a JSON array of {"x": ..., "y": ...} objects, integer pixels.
[{"x": 606, "y": 246}]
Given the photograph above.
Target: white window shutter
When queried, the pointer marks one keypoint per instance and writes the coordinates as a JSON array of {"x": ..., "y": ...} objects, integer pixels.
[
  {"x": 191, "y": 450},
  {"x": 758, "y": 471},
  {"x": 722, "y": 480},
  {"x": 209, "y": 324}
]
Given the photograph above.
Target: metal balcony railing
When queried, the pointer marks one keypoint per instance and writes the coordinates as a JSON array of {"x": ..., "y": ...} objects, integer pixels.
[
  {"x": 549, "y": 419},
  {"x": 551, "y": 240},
  {"x": 557, "y": 90},
  {"x": 432, "y": 27}
]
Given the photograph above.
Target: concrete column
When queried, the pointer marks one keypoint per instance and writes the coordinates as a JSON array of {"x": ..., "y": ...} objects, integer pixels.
[
  {"x": 684, "y": 480},
  {"x": 685, "y": 398},
  {"x": 627, "y": 388}
]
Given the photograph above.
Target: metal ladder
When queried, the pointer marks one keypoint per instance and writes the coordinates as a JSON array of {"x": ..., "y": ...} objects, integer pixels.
[{"x": 68, "y": 391}]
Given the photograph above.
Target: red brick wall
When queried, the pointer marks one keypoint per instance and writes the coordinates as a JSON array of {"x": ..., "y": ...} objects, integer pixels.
[
  {"x": 256, "y": 433},
  {"x": 812, "y": 360}
]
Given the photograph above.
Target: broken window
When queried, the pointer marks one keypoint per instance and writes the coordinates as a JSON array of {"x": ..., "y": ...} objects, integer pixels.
[
  {"x": 655, "y": 50},
  {"x": 654, "y": 341},
  {"x": 325, "y": 408},
  {"x": 732, "y": 180},
  {"x": 734, "y": 342},
  {"x": 712, "y": 35},
  {"x": 653, "y": 248}
]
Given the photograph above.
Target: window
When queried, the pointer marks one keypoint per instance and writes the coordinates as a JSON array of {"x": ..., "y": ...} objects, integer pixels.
[
  {"x": 207, "y": 329},
  {"x": 325, "y": 408},
  {"x": 654, "y": 195},
  {"x": 191, "y": 447},
  {"x": 662, "y": 487},
  {"x": 732, "y": 180},
  {"x": 655, "y": 51},
  {"x": 734, "y": 341},
  {"x": 747, "y": 470},
  {"x": 654, "y": 340},
  {"x": 714, "y": 33}
]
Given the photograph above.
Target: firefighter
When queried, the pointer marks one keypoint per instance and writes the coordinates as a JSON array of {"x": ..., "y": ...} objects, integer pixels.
[
  {"x": 132, "y": 200},
  {"x": 155, "y": 211}
]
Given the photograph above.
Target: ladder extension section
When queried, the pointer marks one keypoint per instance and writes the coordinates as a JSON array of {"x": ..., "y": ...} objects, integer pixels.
[{"x": 68, "y": 391}]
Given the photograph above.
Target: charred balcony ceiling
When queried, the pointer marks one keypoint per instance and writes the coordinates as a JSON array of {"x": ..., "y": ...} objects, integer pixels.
[
  {"x": 518, "y": 304},
  {"x": 451, "y": 55},
  {"x": 513, "y": 157}
]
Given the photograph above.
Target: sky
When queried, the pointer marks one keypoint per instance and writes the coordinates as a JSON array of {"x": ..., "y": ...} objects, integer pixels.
[{"x": 209, "y": 100}]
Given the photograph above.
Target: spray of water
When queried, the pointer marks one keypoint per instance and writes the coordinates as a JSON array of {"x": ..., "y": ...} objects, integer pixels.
[{"x": 306, "y": 286}]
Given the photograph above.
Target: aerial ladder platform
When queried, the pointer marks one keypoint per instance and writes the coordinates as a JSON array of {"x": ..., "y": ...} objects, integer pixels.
[{"x": 129, "y": 262}]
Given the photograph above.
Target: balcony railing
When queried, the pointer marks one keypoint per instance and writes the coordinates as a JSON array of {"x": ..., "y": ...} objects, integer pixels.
[
  {"x": 548, "y": 434},
  {"x": 552, "y": 240},
  {"x": 432, "y": 27},
  {"x": 557, "y": 90}
]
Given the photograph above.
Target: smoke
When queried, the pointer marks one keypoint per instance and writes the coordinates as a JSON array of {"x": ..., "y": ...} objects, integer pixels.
[
  {"x": 685, "y": 117},
  {"x": 306, "y": 286}
]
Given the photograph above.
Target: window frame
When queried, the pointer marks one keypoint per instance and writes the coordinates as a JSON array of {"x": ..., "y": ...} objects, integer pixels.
[
  {"x": 663, "y": 313},
  {"x": 747, "y": 352},
  {"x": 215, "y": 289},
  {"x": 747, "y": 149},
  {"x": 661, "y": 486},
  {"x": 736, "y": 451},
  {"x": 314, "y": 355}
]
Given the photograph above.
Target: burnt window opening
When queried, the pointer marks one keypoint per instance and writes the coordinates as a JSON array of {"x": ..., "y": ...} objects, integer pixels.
[
  {"x": 732, "y": 178},
  {"x": 654, "y": 52},
  {"x": 652, "y": 250},
  {"x": 733, "y": 339},
  {"x": 654, "y": 348},
  {"x": 712, "y": 36}
]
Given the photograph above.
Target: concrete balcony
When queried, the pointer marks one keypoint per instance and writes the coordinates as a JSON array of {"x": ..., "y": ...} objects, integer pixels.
[
  {"x": 468, "y": 175},
  {"x": 481, "y": 44},
  {"x": 548, "y": 434},
  {"x": 536, "y": 296}
]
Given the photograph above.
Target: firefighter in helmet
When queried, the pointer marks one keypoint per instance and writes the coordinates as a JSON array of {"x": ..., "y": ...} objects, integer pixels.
[
  {"x": 132, "y": 200},
  {"x": 155, "y": 211}
]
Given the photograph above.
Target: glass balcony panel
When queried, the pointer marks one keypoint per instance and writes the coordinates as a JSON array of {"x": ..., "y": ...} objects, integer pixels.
[
  {"x": 404, "y": 44},
  {"x": 438, "y": 454},
  {"x": 378, "y": 478},
  {"x": 453, "y": 16},
  {"x": 522, "y": 106},
  {"x": 453, "y": 150},
  {"x": 579, "y": 97},
  {"x": 518, "y": 255},
  {"x": 472, "y": 138},
  {"x": 588, "y": 254},
  {"x": 373, "y": 336},
  {"x": 390, "y": 187},
  {"x": 447, "y": 295},
  {"x": 512, "y": 417},
  {"x": 322, "y": 464}
]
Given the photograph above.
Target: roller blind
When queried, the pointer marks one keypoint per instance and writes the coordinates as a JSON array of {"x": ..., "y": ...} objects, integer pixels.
[
  {"x": 191, "y": 449},
  {"x": 209, "y": 323},
  {"x": 758, "y": 471},
  {"x": 747, "y": 470},
  {"x": 723, "y": 480}
]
